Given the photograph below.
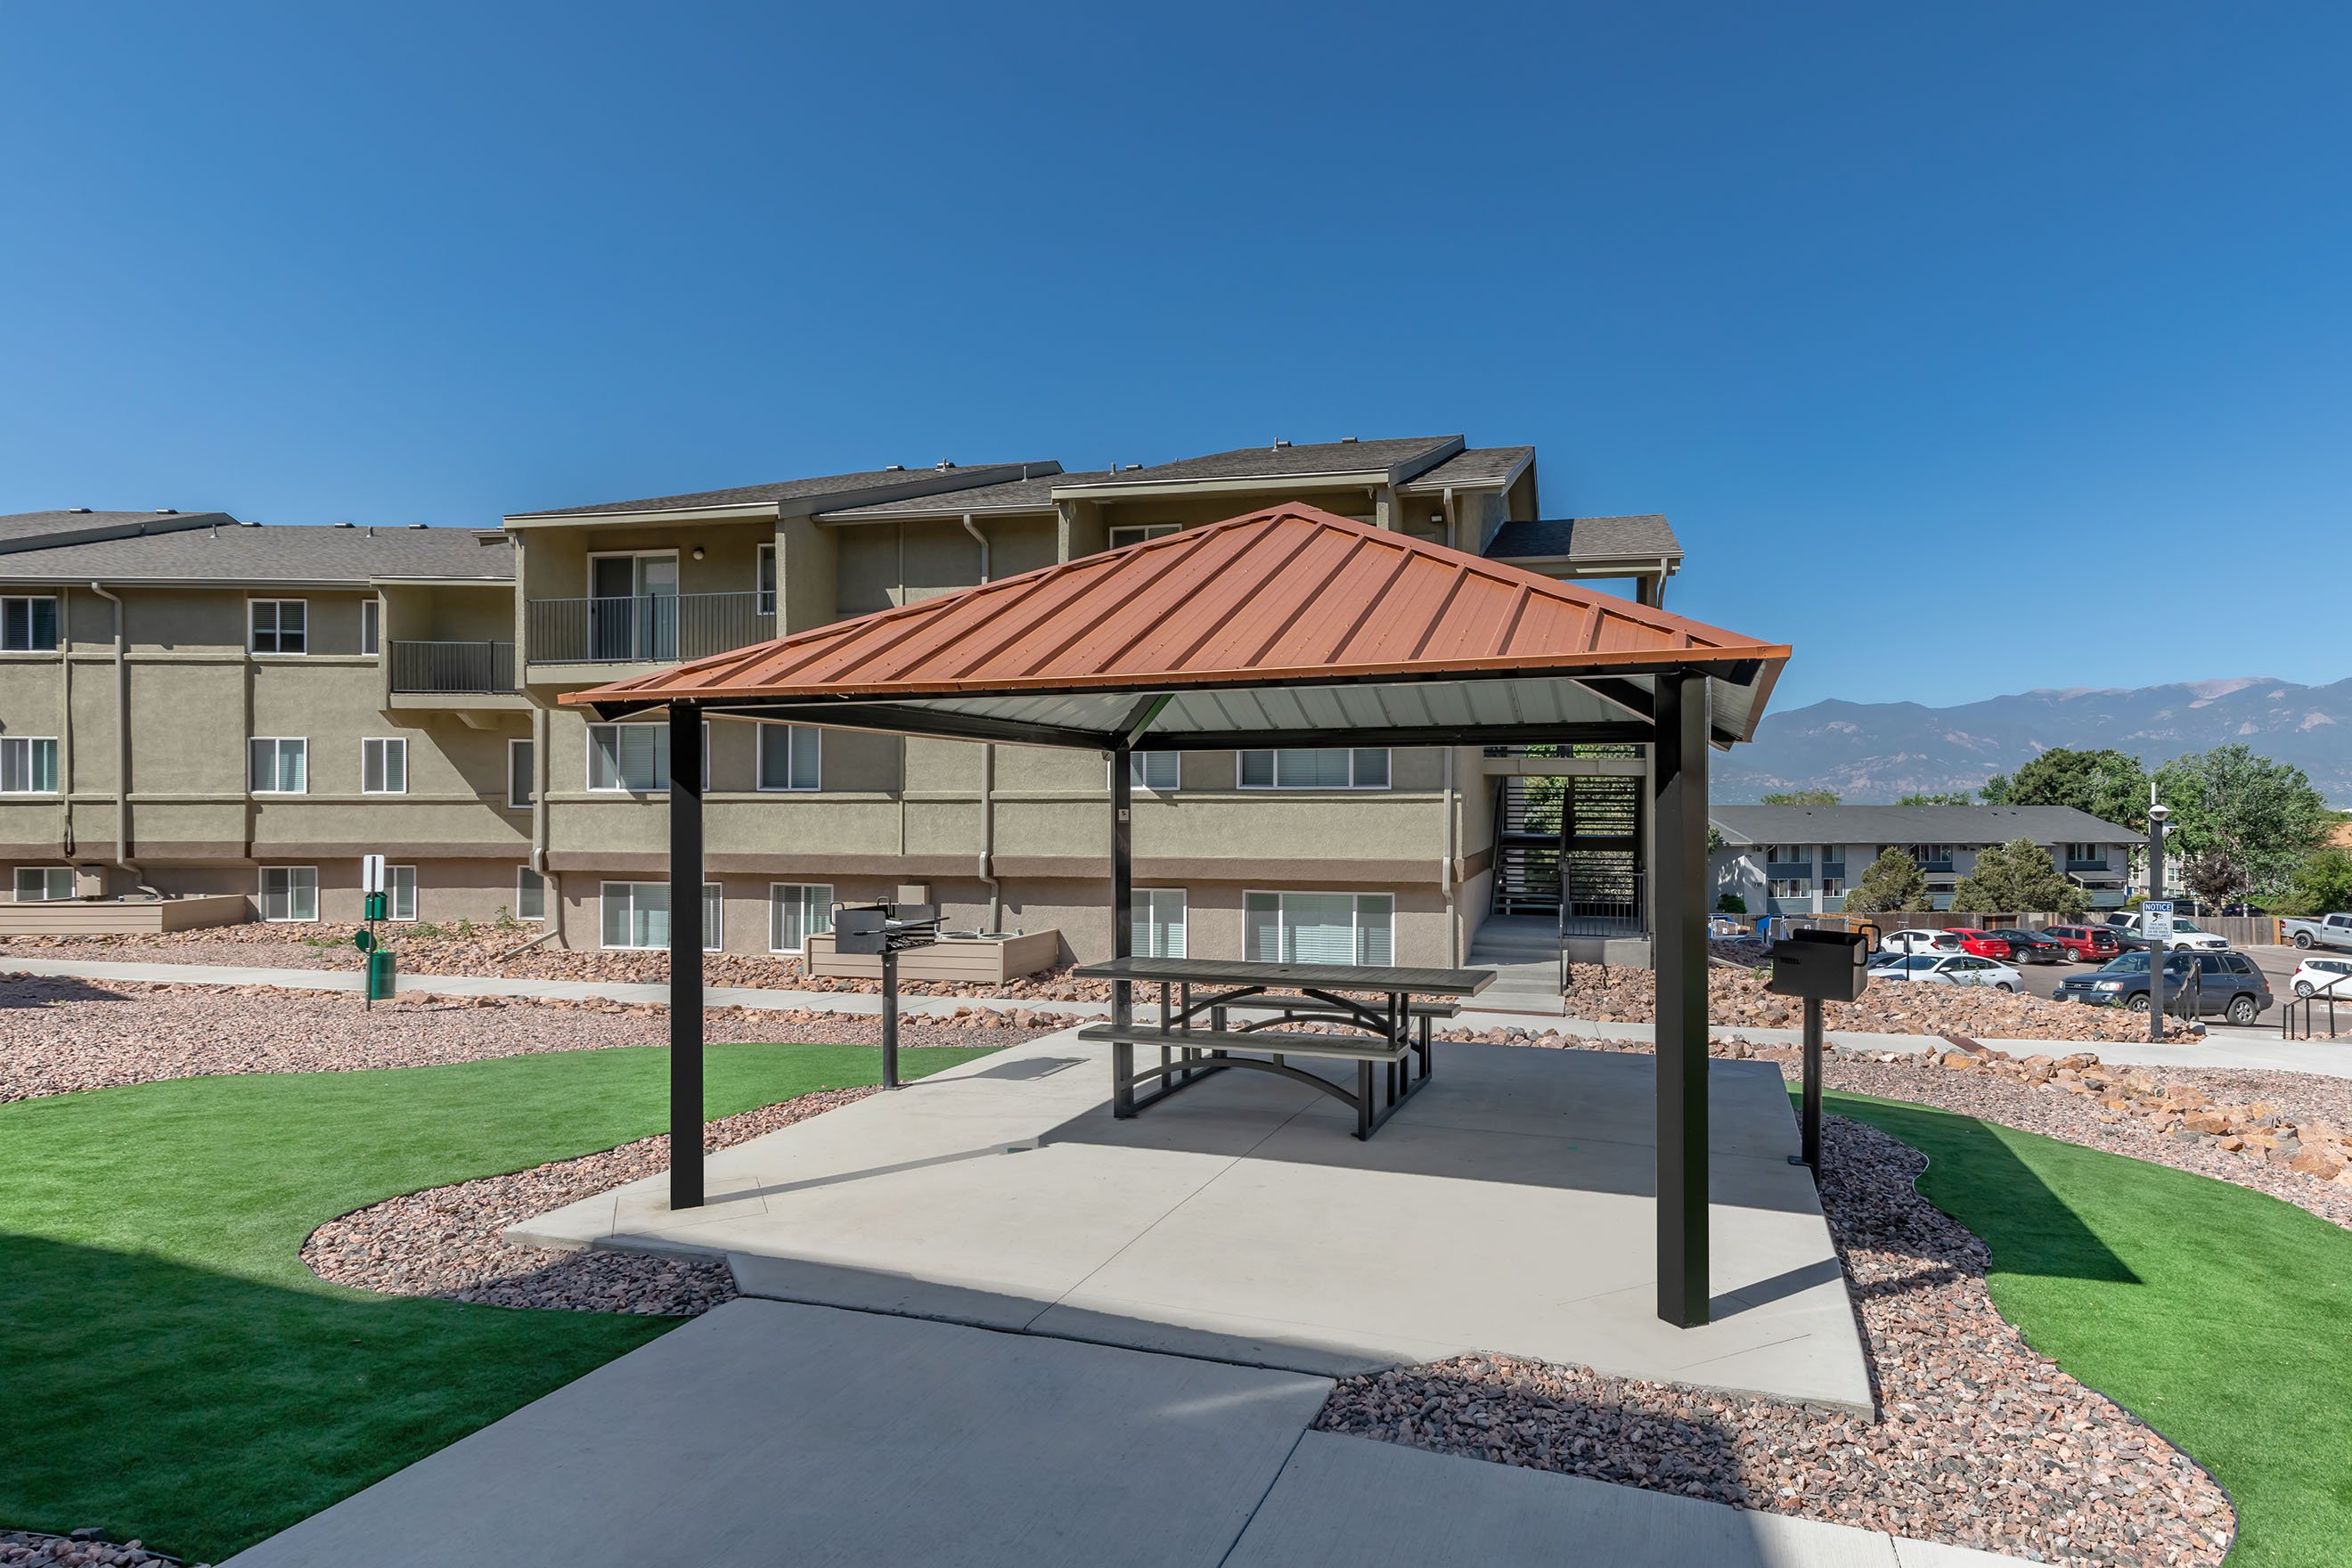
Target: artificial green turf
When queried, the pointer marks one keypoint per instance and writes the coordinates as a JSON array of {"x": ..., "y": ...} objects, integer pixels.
[
  {"x": 169, "y": 1368},
  {"x": 2216, "y": 1313}
]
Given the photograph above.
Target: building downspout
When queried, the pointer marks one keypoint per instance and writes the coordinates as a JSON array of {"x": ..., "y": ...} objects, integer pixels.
[
  {"x": 65, "y": 728},
  {"x": 1449, "y": 870},
  {"x": 1453, "y": 523},
  {"x": 123, "y": 745},
  {"x": 987, "y": 783}
]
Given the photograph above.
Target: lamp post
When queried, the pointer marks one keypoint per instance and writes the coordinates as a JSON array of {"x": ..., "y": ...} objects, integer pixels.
[{"x": 2159, "y": 948}]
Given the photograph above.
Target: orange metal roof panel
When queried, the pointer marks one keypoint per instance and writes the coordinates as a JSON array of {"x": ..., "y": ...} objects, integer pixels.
[{"x": 1292, "y": 592}]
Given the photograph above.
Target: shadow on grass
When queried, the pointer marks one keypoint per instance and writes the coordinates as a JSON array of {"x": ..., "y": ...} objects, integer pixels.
[
  {"x": 2041, "y": 1233},
  {"x": 151, "y": 1379}
]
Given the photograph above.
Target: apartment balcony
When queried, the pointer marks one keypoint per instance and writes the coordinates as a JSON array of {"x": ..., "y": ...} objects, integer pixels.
[
  {"x": 593, "y": 636},
  {"x": 458, "y": 675}
]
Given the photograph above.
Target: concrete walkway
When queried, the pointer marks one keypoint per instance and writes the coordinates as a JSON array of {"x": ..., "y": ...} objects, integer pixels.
[
  {"x": 2222, "y": 1046},
  {"x": 765, "y": 1432}
]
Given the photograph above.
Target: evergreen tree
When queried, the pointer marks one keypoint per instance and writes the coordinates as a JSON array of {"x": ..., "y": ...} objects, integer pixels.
[
  {"x": 1893, "y": 881},
  {"x": 2015, "y": 879},
  {"x": 1801, "y": 797}
]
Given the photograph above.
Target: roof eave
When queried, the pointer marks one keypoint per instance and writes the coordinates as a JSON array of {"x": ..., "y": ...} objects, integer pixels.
[
  {"x": 1430, "y": 487},
  {"x": 1336, "y": 478}
]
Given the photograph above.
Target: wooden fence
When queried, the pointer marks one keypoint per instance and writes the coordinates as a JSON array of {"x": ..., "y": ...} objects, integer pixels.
[{"x": 2239, "y": 931}]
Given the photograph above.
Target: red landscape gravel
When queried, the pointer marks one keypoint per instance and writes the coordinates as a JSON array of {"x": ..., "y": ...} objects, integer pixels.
[
  {"x": 58, "y": 1036},
  {"x": 1981, "y": 1442},
  {"x": 446, "y": 1241}
]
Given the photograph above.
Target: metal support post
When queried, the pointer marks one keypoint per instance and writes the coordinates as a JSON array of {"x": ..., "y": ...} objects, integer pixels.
[
  {"x": 889, "y": 1018},
  {"x": 684, "y": 956},
  {"x": 2156, "y": 950},
  {"x": 1122, "y": 924},
  {"x": 1680, "y": 760},
  {"x": 1813, "y": 1087}
]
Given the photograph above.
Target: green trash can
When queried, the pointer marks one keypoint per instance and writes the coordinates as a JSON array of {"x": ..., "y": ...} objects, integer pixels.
[{"x": 379, "y": 976}]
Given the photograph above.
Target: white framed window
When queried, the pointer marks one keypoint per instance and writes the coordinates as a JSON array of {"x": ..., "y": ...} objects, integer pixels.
[
  {"x": 28, "y": 625},
  {"x": 280, "y": 765},
  {"x": 636, "y": 915},
  {"x": 44, "y": 884},
  {"x": 1363, "y": 767},
  {"x": 400, "y": 892},
  {"x": 530, "y": 894},
  {"x": 1129, "y": 533},
  {"x": 1160, "y": 773},
  {"x": 522, "y": 767},
  {"x": 790, "y": 757},
  {"x": 797, "y": 911},
  {"x": 1319, "y": 928},
  {"x": 383, "y": 765},
  {"x": 29, "y": 764},
  {"x": 278, "y": 625},
  {"x": 1158, "y": 925},
  {"x": 290, "y": 893},
  {"x": 764, "y": 583},
  {"x": 368, "y": 610},
  {"x": 631, "y": 757},
  {"x": 1788, "y": 887}
]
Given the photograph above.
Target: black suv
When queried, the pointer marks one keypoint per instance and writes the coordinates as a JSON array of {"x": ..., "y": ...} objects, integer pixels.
[{"x": 2222, "y": 984}]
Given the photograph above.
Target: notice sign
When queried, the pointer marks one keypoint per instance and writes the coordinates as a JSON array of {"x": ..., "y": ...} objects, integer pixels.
[
  {"x": 371, "y": 877},
  {"x": 2155, "y": 920}
]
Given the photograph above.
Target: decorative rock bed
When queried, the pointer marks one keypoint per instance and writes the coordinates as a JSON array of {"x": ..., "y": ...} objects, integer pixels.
[
  {"x": 58, "y": 1036},
  {"x": 1981, "y": 1442},
  {"x": 446, "y": 1242},
  {"x": 82, "y": 1549}
]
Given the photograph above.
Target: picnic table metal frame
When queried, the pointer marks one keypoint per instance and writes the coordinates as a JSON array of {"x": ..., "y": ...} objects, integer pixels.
[{"x": 1324, "y": 988}]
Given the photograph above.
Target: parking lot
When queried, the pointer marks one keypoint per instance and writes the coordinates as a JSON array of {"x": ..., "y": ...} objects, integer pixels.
[{"x": 2276, "y": 963}]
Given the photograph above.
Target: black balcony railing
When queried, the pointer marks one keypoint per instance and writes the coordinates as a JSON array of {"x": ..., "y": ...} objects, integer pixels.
[
  {"x": 453, "y": 669},
  {"x": 647, "y": 629}
]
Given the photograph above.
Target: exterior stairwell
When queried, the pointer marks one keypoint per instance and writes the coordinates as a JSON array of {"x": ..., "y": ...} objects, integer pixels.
[
  {"x": 1524, "y": 952},
  {"x": 1568, "y": 883}
]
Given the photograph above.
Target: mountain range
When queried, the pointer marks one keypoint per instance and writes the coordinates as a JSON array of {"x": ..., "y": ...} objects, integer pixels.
[{"x": 1878, "y": 751}]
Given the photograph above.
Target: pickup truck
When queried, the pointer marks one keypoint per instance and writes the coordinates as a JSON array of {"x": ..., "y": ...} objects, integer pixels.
[
  {"x": 2185, "y": 935},
  {"x": 2327, "y": 931}
]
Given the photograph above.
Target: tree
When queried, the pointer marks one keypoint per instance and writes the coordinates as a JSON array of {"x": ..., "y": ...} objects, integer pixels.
[
  {"x": 2322, "y": 885},
  {"x": 1801, "y": 797},
  {"x": 2214, "y": 877},
  {"x": 2015, "y": 877},
  {"x": 2108, "y": 784},
  {"x": 1893, "y": 881},
  {"x": 1942, "y": 797},
  {"x": 1731, "y": 904},
  {"x": 2264, "y": 815}
]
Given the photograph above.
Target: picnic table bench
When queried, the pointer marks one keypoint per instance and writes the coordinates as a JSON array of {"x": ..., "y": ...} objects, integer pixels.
[{"x": 1197, "y": 1036}]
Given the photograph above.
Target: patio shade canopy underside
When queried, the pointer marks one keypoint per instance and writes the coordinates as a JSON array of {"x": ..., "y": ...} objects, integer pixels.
[{"x": 1285, "y": 628}]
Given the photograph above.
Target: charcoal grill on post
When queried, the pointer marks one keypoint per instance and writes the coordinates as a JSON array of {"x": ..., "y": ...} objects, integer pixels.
[
  {"x": 887, "y": 929},
  {"x": 1819, "y": 967}
]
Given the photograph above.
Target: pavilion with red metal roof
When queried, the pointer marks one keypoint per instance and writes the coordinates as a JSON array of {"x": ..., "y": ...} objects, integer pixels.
[{"x": 1290, "y": 627}]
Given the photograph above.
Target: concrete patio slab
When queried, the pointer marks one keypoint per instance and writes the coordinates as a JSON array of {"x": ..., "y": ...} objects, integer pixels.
[
  {"x": 1351, "y": 1502},
  {"x": 770, "y": 1433},
  {"x": 1506, "y": 1208}
]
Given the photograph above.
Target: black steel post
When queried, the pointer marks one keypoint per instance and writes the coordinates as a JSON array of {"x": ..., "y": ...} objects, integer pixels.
[
  {"x": 2156, "y": 950},
  {"x": 1122, "y": 924},
  {"x": 685, "y": 955},
  {"x": 1813, "y": 1087},
  {"x": 890, "y": 1016},
  {"x": 1679, "y": 759}
]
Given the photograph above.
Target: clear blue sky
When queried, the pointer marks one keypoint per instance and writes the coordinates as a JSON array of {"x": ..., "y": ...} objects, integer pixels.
[{"x": 1930, "y": 327}]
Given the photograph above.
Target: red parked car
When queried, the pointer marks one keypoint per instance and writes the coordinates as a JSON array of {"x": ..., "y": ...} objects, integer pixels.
[
  {"x": 2085, "y": 944},
  {"x": 1983, "y": 943}
]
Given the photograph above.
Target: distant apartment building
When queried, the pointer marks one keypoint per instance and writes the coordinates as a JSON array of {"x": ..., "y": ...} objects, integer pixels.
[
  {"x": 191, "y": 705},
  {"x": 1803, "y": 860}
]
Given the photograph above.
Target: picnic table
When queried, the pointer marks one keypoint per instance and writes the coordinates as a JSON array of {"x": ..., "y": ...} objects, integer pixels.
[{"x": 1197, "y": 1036}]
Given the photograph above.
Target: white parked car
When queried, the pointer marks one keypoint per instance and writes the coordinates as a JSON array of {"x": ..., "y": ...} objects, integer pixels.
[
  {"x": 2187, "y": 935},
  {"x": 1917, "y": 941},
  {"x": 2317, "y": 975},
  {"x": 1948, "y": 969}
]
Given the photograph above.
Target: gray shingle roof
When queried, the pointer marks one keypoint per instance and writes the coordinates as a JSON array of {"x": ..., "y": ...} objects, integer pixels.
[
  {"x": 1034, "y": 494},
  {"x": 2044, "y": 825},
  {"x": 1471, "y": 468},
  {"x": 905, "y": 481},
  {"x": 1411, "y": 454},
  {"x": 34, "y": 529},
  {"x": 277, "y": 553},
  {"x": 1644, "y": 537}
]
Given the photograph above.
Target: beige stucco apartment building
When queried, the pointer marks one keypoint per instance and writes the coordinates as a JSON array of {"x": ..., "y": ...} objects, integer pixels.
[{"x": 191, "y": 705}]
